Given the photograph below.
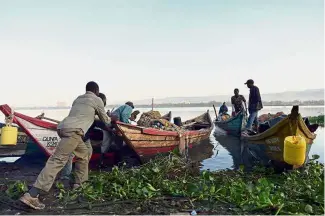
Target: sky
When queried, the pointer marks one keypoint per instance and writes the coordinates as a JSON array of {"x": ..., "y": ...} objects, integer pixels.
[{"x": 138, "y": 49}]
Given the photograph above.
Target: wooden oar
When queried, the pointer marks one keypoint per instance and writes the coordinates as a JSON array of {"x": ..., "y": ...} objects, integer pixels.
[
  {"x": 49, "y": 119},
  {"x": 215, "y": 111}
]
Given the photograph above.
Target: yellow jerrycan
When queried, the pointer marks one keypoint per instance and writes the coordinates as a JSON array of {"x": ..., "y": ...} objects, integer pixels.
[
  {"x": 294, "y": 152},
  {"x": 9, "y": 135}
]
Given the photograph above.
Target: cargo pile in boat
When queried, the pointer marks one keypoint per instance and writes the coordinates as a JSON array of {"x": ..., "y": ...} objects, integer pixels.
[
  {"x": 154, "y": 119},
  {"x": 146, "y": 118}
]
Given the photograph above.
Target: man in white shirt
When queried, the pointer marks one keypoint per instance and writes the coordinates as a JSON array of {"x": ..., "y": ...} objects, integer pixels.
[{"x": 71, "y": 131}]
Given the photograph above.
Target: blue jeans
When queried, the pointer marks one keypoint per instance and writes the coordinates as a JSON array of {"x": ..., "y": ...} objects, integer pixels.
[
  {"x": 67, "y": 169},
  {"x": 252, "y": 119}
]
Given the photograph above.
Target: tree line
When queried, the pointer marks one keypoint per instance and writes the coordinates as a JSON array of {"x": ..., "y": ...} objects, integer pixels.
[{"x": 216, "y": 103}]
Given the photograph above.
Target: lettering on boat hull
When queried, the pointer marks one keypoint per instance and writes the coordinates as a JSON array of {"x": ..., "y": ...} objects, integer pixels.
[
  {"x": 50, "y": 141},
  {"x": 273, "y": 140},
  {"x": 273, "y": 144}
]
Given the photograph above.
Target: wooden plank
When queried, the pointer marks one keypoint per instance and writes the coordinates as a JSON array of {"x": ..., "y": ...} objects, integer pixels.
[{"x": 149, "y": 137}]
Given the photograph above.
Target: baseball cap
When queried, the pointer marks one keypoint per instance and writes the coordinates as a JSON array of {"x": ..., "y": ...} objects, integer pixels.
[
  {"x": 130, "y": 104},
  {"x": 249, "y": 81}
]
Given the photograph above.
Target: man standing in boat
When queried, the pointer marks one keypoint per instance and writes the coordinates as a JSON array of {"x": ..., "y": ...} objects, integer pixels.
[
  {"x": 71, "y": 131},
  {"x": 237, "y": 102},
  {"x": 254, "y": 104}
]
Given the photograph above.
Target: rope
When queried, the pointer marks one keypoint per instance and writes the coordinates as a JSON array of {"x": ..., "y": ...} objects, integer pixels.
[{"x": 9, "y": 119}]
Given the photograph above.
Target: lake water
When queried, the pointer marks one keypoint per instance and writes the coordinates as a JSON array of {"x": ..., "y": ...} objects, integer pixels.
[{"x": 220, "y": 152}]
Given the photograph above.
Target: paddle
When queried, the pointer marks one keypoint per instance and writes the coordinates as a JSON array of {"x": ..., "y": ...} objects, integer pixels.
[{"x": 215, "y": 111}]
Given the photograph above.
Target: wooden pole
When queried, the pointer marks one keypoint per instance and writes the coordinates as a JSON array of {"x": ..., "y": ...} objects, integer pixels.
[
  {"x": 152, "y": 104},
  {"x": 215, "y": 111}
]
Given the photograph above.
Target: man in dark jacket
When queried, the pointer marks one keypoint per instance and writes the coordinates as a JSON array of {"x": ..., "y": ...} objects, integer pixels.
[
  {"x": 223, "y": 109},
  {"x": 254, "y": 104}
]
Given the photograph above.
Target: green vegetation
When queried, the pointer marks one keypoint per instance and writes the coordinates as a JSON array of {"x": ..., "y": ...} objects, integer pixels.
[
  {"x": 298, "y": 191},
  {"x": 317, "y": 119},
  {"x": 261, "y": 191}
]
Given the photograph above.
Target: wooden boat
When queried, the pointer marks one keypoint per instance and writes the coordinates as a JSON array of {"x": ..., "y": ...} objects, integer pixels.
[
  {"x": 271, "y": 141},
  {"x": 148, "y": 142},
  {"x": 43, "y": 136},
  {"x": 234, "y": 125},
  {"x": 23, "y": 138}
]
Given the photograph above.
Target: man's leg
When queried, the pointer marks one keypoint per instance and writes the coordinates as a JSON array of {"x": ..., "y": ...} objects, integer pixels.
[
  {"x": 90, "y": 148},
  {"x": 251, "y": 119},
  {"x": 106, "y": 144},
  {"x": 81, "y": 164},
  {"x": 70, "y": 139},
  {"x": 256, "y": 120},
  {"x": 67, "y": 169}
]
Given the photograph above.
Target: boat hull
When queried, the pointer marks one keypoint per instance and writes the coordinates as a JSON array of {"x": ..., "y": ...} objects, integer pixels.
[
  {"x": 41, "y": 137},
  {"x": 148, "y": 142},
  {"x": 271, "y": 141},
  {"x": 234, "y": 125}
]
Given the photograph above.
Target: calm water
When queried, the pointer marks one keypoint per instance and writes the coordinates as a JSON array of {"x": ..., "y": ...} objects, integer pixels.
[{"x": 219, "y": 152}]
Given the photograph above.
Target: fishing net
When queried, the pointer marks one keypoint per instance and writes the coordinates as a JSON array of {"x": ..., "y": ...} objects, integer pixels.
[
  {"x": 154, "y": 119},
  {"x": 163, "y": 124},
  {"x": 269, "y": 116},
  {"x": 146, "y": 118}
]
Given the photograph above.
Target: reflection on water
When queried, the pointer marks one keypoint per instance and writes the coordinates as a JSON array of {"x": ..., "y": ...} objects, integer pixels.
[{"x": 230, "y": 152}]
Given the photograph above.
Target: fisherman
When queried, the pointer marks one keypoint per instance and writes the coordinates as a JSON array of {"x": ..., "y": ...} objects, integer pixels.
[
  {"x": 71, "y": 131},
  {"x": 237, "y": 102},
  {"x": 254, "y": 104},
  {"x": 223, "y": 109},
  {"x": 114, "y": 141},
  {"x": 67, "y": 169},
  {"x": 123, "y": 113}
]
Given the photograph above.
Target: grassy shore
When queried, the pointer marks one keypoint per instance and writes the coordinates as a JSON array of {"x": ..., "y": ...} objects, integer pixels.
[{"x": 169, "y": 185}]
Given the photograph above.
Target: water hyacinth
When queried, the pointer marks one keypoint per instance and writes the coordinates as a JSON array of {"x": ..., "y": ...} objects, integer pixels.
[{"x": 297, "y": 191}]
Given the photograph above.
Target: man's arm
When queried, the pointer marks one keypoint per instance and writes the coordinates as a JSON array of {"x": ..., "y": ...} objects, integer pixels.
[
  {"x": 232, "y": 104},
  {"x": 100, "y": 111},
  {"x": 244, "y": 100},
  {"x": 259, "y": 96}
]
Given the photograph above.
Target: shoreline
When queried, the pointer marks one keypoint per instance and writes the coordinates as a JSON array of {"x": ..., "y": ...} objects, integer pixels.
[{"x": 161, "y": 106}]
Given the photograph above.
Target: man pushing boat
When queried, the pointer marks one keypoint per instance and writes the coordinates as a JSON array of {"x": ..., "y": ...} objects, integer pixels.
[
  {"x": 71, "y": 131},
  {"x": 67, "y": 169}
]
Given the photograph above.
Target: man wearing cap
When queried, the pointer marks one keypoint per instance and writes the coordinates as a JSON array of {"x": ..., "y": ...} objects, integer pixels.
[
  {"x": 122, "y": 114},
  {"x": 254, "y": 103}
]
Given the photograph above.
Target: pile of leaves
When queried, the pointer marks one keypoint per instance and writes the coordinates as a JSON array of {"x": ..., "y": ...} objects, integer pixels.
[
  {"x": 263, "y": 191},
  {"x": 317, "y": 119}
]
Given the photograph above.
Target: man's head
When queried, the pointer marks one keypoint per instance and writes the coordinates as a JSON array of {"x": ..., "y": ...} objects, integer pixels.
[
  {"x": 249, "y": 83},
  {"x": 93, "y": 87},
  {"x": 130, "y": 104},
  {"x": 103, "y": 97},
  {"x": 236, "y": 91},
  {"x": 134, "y": 115},
  {"x": 224, "y": 103}
]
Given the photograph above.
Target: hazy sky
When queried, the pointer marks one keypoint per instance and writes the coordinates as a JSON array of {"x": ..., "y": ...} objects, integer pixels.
[{"x": 137, "y": 49}]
